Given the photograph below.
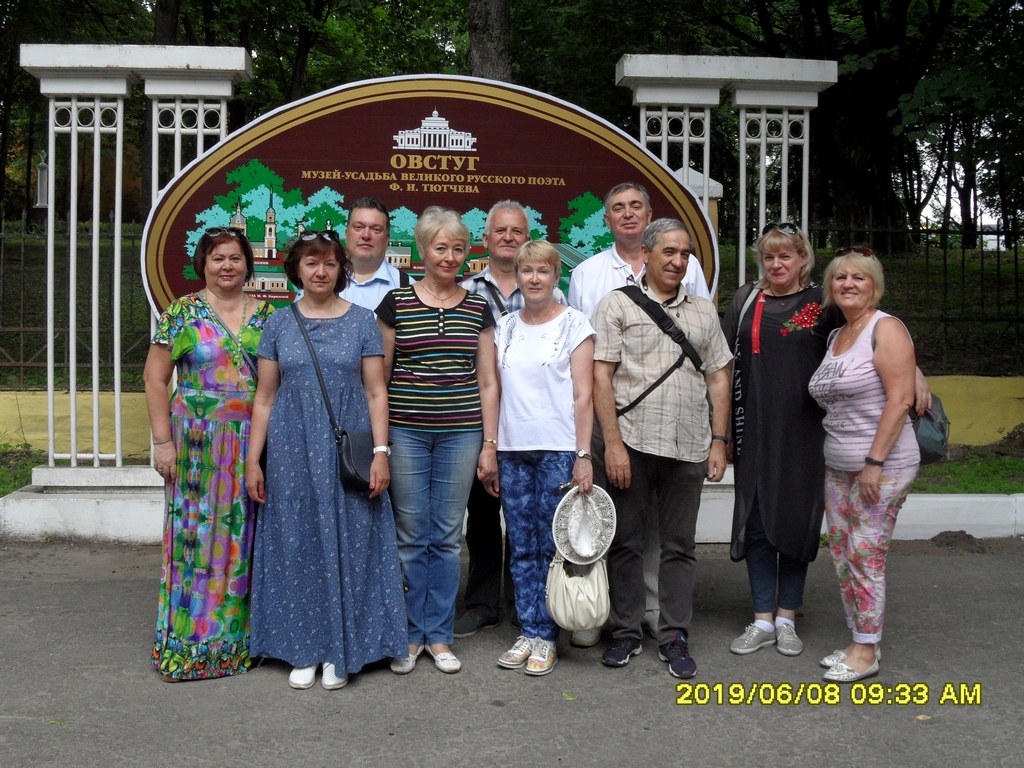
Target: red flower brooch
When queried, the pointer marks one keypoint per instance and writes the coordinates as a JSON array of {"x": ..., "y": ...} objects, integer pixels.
[{"x": 806, "y": 319}]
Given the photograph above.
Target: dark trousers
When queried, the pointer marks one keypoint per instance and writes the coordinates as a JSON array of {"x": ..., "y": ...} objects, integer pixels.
[
  {"x": 488, "y": 561},
  {"x": 775, "y": 579},
  {"x": 664, "y": 493}
]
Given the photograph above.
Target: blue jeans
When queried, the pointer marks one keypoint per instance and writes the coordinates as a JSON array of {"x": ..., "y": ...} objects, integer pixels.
[
  {"x": 769, "y": 570},
  {"x": 529, "y": 495},
  {"x": 431, "y": 474}
]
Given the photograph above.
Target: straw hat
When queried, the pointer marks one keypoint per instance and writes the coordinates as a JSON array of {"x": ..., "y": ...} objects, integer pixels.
[{"x": 584, "y": 525}]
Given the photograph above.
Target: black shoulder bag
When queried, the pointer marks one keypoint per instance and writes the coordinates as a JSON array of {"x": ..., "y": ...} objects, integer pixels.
[
  {"x": 355, "y": 449},
  {"x": 664, "y": 322}
]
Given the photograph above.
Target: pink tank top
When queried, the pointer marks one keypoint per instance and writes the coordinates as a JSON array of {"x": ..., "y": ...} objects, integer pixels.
[{"x": 849, "y": 388}]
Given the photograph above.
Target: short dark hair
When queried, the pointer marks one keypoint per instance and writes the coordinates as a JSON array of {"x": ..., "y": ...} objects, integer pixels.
[
  {"x": 320, "y": 243},
  {"x": 374, "y": 203},
  {"x": 213, "y": 237},
  {"x": 625, "y": 187}
]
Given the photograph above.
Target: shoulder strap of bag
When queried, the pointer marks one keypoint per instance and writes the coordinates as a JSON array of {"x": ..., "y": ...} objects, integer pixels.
[
  {"x": 403, "y": 279},
  {"x": 319, "y": 373},
  {"x": 664, "y": 322},
  {"x": 751, "y": 298},
  {"x": 497, "y": 298}
]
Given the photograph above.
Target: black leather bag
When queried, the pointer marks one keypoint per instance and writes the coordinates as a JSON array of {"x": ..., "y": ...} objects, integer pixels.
[{"x": 355, "y": 455}]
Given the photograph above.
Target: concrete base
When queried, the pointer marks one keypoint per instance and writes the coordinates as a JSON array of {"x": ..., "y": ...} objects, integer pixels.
[{"x": 126, "y": 504}]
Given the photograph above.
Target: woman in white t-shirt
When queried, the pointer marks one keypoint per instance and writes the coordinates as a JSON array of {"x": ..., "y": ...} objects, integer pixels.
[
  {"x": 866, "y": 385},
  {"x": 545, "y": 354}
]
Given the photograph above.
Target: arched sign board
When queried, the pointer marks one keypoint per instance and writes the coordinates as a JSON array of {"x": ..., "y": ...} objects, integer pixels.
[{"x": 413, "y": 142}]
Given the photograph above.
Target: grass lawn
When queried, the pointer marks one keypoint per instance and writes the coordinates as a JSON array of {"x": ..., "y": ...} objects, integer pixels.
[{"x": 997, "y": 468}]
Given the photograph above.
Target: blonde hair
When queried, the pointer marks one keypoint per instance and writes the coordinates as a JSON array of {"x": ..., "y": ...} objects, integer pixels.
[
  {"x": 437, "y": 219},
  {"x": 774, "y": 239},
  {"x": 858, "y": 261},
  {"x": 539, "y": 251}
]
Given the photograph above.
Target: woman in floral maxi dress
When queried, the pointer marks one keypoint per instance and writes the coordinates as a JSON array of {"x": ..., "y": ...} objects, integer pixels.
[{"x": 199, "y": 448}]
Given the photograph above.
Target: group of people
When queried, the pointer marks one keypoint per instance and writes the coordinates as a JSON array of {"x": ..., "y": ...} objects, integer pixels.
[{"x": 490, "y": 396}]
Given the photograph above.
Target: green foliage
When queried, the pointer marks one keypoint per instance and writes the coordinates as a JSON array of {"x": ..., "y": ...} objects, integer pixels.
[
  {"x": 16, "y": 463},
  {"x": 978, "y": 473}
]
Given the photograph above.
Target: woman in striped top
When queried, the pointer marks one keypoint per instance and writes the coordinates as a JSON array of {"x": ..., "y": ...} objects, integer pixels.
[{"x": 443, "y": 396}]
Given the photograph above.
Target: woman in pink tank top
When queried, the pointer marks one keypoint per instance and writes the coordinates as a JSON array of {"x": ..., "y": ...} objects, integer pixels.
[{"x": 866, "y": 385}]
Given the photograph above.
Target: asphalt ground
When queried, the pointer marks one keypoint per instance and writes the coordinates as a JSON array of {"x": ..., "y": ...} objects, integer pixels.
[{"x": 77, "y": 687}]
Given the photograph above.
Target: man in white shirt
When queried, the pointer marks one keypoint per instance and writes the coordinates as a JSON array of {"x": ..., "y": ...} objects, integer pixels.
[
  {"x": 627, "y": 212},
  {"x": 366, "y": 241}
]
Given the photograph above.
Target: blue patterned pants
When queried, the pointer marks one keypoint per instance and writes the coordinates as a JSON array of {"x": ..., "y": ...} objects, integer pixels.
[{"x": 529, "y": 495}]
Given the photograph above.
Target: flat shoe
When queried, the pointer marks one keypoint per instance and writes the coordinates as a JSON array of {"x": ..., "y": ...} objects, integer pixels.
[
  {"x": 330, "y": 680},
  {"x": 302, "y": 678},
  {"x": 406, "y": 664},
  {"x": 841, "y": 673},
  {"x": 445, "y": 661},
  {"x": 840, "y": 655}
]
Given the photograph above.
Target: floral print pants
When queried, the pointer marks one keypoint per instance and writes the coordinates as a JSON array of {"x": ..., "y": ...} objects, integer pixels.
[{"x": 858, "y": 537}]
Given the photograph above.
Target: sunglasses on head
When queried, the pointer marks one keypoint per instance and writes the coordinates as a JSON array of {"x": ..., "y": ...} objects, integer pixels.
[
  {"x": 328, "y": 234},
  {"x": 786, "y": 227},
  {"x": 856, "y": 249},
  {"x": 235, "y": 232}
]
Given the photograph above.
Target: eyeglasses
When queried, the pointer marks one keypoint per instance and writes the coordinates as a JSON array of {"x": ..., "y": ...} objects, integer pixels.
[
  {"x": 856, "y": 249},
  {"x": 786, "y": 227},
  {"x": 328, "y": 234},
  {"x": 235, "y": 232}
]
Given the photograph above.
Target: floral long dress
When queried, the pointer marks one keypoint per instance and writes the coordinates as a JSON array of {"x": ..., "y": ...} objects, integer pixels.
[{"x": 203, "y": 610}]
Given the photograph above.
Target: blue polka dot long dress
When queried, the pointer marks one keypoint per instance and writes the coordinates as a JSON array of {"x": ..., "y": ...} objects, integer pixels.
[{"x": 326, "y": 576}]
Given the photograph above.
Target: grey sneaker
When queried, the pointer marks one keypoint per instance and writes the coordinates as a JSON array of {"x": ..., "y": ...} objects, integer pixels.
[
  {"x": 753, "y": 639},
  {"x": 786, "y": 641}
]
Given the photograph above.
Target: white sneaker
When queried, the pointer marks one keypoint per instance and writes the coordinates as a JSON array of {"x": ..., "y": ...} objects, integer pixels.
[
  {"x": 543, "y": 658},
  {"x": 516, "y": 656},
  {"x": 586, "y": 638},
  {"x": 302, "y": 677},
  {"x": 331, "y": 681},
  {"x": 753, "y": 639},
  {"x": 786, "y": 641}
]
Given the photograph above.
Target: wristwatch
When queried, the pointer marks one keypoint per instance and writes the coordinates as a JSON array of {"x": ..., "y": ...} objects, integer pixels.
[
  {"x": 584, "y": 455},
  {"x": 385, "y": 449}
]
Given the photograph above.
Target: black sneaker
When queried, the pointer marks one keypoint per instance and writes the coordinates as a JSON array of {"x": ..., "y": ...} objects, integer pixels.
[
  {"x": 677, "y": 654},
  {"x": 471, "y": 622},
  {"x": 617, "y": 654}
]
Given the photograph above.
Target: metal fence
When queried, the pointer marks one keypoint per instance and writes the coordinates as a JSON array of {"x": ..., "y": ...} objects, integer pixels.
[
  {"x": 23, "y": 312},
  {"x": 964, "y": 306}
]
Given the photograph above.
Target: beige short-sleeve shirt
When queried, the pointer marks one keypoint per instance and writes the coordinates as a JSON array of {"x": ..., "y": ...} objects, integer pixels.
[{"x": 674, "y": 420}]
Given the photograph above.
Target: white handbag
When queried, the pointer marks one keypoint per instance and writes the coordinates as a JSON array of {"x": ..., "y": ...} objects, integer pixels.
[{"x": 578, "y": 603}]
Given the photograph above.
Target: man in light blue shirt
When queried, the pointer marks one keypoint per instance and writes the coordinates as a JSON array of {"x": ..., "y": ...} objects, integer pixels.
[{"x": 366, "y": 241}]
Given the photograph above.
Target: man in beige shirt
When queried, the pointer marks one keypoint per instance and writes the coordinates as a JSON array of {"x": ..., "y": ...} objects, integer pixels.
[{"x": 659, "y": 451}]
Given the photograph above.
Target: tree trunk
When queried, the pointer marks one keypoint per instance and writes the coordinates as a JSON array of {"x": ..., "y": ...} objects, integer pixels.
[
  {"x": 165, "y": 22},
  {"x": 490, "y": 48}
]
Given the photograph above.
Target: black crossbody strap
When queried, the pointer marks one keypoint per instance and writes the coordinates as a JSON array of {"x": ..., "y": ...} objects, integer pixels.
[
  {"x": 664, "y": 322},
  {"x": 319, "y": 373},
  {"x": 497, "y": 298}
]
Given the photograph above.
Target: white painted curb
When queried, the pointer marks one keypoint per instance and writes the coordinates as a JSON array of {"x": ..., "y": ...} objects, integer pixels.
[{"x": 126, "y": 504}]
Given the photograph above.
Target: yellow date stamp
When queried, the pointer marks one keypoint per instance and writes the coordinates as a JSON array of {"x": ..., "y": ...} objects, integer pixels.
[{"x": 826, "y": 694}]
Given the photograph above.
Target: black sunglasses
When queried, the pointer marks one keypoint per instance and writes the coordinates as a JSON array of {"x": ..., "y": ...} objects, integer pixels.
[
  {"x": 235, "y": 232},
  {"x": 787, "y": 227},
  {"x": 862, "y": 250},
  {"x": 328, "y": 234}
]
